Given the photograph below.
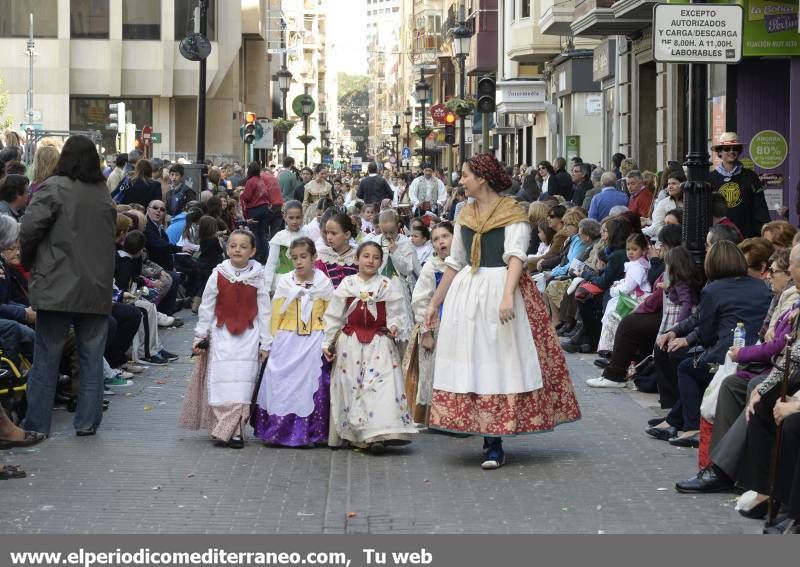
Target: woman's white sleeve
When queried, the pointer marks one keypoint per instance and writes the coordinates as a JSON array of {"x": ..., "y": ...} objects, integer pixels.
[
  {"x": 458, "y": 255},
  {"x": 659, "y": 213},
  {"x": 405, "y": 258},
  {"x": 423, "y": 292},
  {"x": 334, "y": 318},
  {"x": 272, "y": 265},
  {"x": 396, "y": 314},
  {"x": 264, "y": 317},
  {"x": 205, "y": 315},
  {"x": 516, "y": 241}
]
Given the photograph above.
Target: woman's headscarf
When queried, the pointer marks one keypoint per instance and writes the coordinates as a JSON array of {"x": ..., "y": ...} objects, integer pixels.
[{"x": 487, "y": 167}]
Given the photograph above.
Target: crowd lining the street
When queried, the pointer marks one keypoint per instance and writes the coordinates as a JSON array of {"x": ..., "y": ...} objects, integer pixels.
[{"x": 336, "y": 309}]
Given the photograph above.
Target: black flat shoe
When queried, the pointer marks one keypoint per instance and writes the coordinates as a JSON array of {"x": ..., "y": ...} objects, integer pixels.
[
  {"x": 655, "y": 421},
  {"x": 85, "y": 432},
  {"x": 706, "y": 481},
  {"x": 757, "y": 512},
  {"x": 377, "y": 448},
  {"x": 662, "y": 434},
  {"x": 602, "y": 363},
  {"x": 692, "y": 441},
  {"x": 236, "y": 442}
]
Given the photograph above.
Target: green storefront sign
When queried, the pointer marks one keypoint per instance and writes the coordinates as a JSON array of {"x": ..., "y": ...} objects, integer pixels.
[
  {"x": 768, "y": 149},
  {"x": 573, "y": 146},
  {"x": 770, "y": 26}
]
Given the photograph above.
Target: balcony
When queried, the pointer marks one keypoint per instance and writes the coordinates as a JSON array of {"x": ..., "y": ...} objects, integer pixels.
[
  {"x": 598, "y": 18},
  {"x": 528, "y": 44},
  {"x": 639, "y": 9},
  {"x": 556, "y": 16},
  {"x": 483, "y": 47}
]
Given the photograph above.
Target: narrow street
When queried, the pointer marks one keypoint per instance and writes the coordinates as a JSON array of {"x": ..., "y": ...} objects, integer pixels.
[{"x": 141, "y": 474}]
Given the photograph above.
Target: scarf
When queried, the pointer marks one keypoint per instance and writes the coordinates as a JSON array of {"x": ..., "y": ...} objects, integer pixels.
[
  {"x": 506, "y": 211},
  {"x": 729, "y": 174}
]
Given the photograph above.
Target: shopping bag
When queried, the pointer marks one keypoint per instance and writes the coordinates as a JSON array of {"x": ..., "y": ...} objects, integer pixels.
[
  {"x": 625, "y": 304},
  {"x": 708, "y": 406}
]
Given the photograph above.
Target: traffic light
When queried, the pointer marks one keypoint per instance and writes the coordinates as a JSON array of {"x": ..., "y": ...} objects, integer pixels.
[
  {"x": 486, "y": 94},
  {"x": 116, "y": 117},
  {"x": 249, "y": 128},
  {"x": 450, "y": 128}
]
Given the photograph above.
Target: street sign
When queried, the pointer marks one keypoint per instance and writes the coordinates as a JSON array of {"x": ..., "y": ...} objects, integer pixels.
[
  {"x": 438, "y": 113},
  {"x": 265, "y": 141},
  {"x": 697, "y": 33},
  {"x": 406, "y": 153},
  {"x": 328, "y": 159},
  {"x": 297, "y": 105}
]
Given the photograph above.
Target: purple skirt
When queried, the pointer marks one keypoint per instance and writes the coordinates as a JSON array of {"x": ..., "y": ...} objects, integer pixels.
[{"x": 293, "y": 431}]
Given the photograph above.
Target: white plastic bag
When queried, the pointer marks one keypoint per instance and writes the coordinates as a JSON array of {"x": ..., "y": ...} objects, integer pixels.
[
  {"x": 708, "y": 407},
  {"x": 540, "y": 281}
]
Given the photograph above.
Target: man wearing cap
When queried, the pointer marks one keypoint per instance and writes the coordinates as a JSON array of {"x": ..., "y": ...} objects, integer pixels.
[{"x": 747, "y": 205}]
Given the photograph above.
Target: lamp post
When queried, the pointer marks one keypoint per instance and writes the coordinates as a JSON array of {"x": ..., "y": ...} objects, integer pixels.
[
  {"x": 461, "y": 36},
  {"x": 396, "y": 134},
  {"x": 306, "y": 107},
  {"x": 201, "y": 93},
  {"x": 423, "y": 92},
  {"x": 284, "y": 81},
  {"x": 407, "y": 116}
]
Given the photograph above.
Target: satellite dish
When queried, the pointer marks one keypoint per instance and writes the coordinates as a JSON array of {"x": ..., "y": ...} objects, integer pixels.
[{"x": 195, "y": 47}]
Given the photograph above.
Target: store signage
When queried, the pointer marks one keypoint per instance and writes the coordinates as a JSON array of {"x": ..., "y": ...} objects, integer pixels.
[
  {"x": 697, "y": 33},
  {"x": 603, "y": 60},
  {"x": 520, "y": 97},
  {"x": 768, "y": 149}
]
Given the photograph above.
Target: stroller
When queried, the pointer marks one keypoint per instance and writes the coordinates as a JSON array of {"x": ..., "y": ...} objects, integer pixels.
[{"x": 13, "y": 386}]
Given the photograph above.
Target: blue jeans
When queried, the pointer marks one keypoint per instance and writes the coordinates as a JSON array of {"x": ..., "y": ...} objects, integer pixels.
[{"x": 52, "y": 328}]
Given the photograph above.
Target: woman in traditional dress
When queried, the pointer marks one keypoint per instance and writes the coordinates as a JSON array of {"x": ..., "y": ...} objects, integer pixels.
[
  {"x": 315, "y": 190},
  {"x": 368, "y": 403},
  {"x": 230, "y": 337},
  {"x": 418, "y": 359},
  {"x": 338, "y": 258},
  {"x": 499, "y": 370},
  {"x": 293, "y": 400}
]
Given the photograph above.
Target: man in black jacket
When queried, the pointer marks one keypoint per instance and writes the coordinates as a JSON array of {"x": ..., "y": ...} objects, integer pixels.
[
  {"x": 160, "y": 251},
  {"x": 373, "y": 188},
  {"x": 582, "y": 184},
  {"x": 180, "y": 194},
  {"x": 560, "y": 182},
  {"x": 747, "y": 205}
]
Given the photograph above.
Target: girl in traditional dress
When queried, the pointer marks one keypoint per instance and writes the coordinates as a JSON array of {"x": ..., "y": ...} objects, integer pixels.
[
  {"x": 368, "y": 403},
  {"x": 294, "y": 397},
  {"x": 400, "y": 264},
  {"x": 231, "y": 338},
  {"x": 491, "y": 376},
  {"x": 278, "y": 261},
  {"x": 315, "y": 190},
  {"x": 338, "y": 258},
  {"x": 419, "y": 384}
]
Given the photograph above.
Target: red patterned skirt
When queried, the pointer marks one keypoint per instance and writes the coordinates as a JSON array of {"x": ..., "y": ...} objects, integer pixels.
[{"x": 515, "y": 414}]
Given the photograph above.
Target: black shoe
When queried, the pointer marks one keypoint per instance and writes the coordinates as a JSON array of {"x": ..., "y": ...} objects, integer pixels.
[
  {"x": 662, "y": 434},
  {"x": 179, "y": 322},
  {"x": 586, "y": 348},
  {"x": 574, "y": 332},
  {"x": 707, "y": 480},
  {"x": 569, "y": 347},
  {"x": 236, "y": 442},
  {"x": 757, "y": 512},
  {"x": 692, "y": 441},
  {"x": 377, "y": 448},
  {"x": 156, "y": 360},
  {"x": 168, "y": 356},
  {"x": 566, "y": 329},
  {"x": 656, "y": 421},
  {"x": 560, "y": 326},
  {"x": 85, "y": 432},
  {"x": 602, "y": 363}
]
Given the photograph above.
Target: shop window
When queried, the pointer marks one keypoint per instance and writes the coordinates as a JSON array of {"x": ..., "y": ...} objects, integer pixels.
[
  {"x": 89, "y": 19},
  {"x": 86, "y": 113},
  {"x": 15, "y": 20},
  {"x": 526, "y": 9},
  {"x": 141, "y": 19},
  {"x": 185, "y": 11}
]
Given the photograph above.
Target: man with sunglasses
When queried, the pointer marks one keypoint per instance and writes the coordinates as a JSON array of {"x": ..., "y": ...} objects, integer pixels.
[{"x": 747, "y": 205}]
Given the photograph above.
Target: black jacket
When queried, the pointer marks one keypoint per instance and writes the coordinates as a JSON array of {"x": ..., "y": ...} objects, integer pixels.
[
  {"x": 177, "y": 198},
  {"x": 373, "y": 189},
  {"x": 142, "y": 192},
  {"x": 580, "y": 190},
  {"x": 126, "y": 271},
  {"x": 560, "y": 184},
  {"x": 159, "y": 248},
  {"x": 747, "y": 205}
]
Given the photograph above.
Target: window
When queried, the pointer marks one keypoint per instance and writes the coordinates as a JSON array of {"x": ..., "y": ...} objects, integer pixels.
[
  {"x": 91, "y": 113},
  {"x": 141, "y": 19},
  {"x": 185, "y": 16},
  {"x": 15, "y": 21},
  {"x": 526, "y": 8},
  {"x": 89, "y": 19}
]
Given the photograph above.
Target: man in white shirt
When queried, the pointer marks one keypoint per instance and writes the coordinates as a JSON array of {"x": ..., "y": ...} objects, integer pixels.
[
  {"x": 427, "y": 191},
  {"x": 117, "y": 174}
]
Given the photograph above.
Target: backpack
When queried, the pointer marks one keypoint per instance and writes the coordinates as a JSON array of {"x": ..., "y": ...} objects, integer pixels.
[{"x": 119, "y": 193}]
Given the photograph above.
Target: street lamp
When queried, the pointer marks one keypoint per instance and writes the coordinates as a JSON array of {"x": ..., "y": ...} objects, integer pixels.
[
  {"x": 284, "y": 81},
  {"x": 423, "y": 92},
  {"x": 396, "y": 134},
  {"x": 326, "y": 134},
  {"x": 407, "y": 116},
  {"x": 306, "y": 108},
  {"x": 461, "y": 36}
]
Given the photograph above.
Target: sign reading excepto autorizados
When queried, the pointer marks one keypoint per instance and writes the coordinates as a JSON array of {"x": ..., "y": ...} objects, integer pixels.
[{"x": 697, "y": 33}]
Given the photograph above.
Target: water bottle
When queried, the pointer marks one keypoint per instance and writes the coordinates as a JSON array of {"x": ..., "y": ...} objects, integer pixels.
[{"x": 739, "y": 335}]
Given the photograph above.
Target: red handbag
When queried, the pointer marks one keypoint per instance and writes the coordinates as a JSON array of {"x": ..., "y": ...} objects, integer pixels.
[{"x": 586, "y": 291}]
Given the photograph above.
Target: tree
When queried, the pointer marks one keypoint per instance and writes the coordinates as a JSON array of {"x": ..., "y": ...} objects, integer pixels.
[
  {"x": 5, "y": 121},
  {"x": 354, "y": 108}
]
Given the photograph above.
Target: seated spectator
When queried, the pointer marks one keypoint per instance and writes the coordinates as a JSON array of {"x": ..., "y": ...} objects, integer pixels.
[
  {"x": 140, "y": 187},
  {"x": 13, "y": 195},
  {"x": 178, "y": 222},
  {"x": 556, "y": 243},
  {"x": 537, "y": 212},
  {"x": 15, "y": 274},
  {"x": 641, "y": 198},
  {"x": 597, "y": 186},
  {"x": 757, "y": 251},
  {"x": 779, "y": 232},
  {"x": 673, "y": 200},
  {"x": 160, "y": 251},
  {"x": 730, "y": 297},
  {"x": 675, "y": 216},
  {"x": 609, "y": 197},
  {"x": 592, "y": 308},
  {"x": 568, "y": 231}
]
